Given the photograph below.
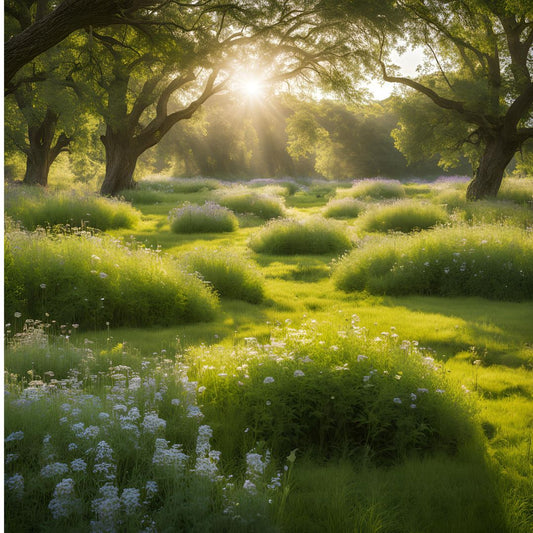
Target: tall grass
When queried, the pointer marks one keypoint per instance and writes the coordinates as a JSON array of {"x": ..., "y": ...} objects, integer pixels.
[
  {"x": 343, "y": 208},
  {"x": 331, "y": 393},
  {"x": 207, "y": 218},
  {"x": 228, "y": 272},
  {"x": 35, "y": 207},
  {"x": 243, "y": 200},
  {"x": 177, "y": 185},
  {"x": 375, "y": 189},
  {"x": 518, "y": 190},
  {"x": 490, "y": 261},
  {"x": 91, "y": 280},
  {"x": 404, "y": 216},
  {"x": 314, "y": 235}
]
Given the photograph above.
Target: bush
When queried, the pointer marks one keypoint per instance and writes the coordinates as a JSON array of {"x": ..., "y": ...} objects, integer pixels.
[
  {"x": 92, "y": 280},
  {"x": 143, "y": 196},
  {"x": 490, "y": 261},
  {"x": 207, "y": 218},
  {"x": 376, "y": 189},
  {"x": 404, "y": 216},
  {"x": 35, "y": 207},
  {"x": 314, "y": 235},
  {"x": 245, "y": 201},
  {"x": 230, "y": 274},
  {"x": 331, "y": 393},
  {"x": 343, "y": 208}
]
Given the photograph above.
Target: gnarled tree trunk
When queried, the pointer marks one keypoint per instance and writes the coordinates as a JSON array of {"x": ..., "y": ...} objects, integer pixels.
[
  {"x": 121, "y": 158},
  {"x": 40, "y": 153},
  {"x": 498, "y": 153}
]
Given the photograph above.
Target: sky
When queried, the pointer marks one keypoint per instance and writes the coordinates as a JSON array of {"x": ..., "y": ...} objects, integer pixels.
[{"x": 408, "y": 63}]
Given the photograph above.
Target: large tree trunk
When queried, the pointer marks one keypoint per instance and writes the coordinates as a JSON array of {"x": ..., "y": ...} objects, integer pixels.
[
  {"x": 488, "y": 177},
  {"x": 121, "y": 159},
  {"x": 40, "y": 154}
]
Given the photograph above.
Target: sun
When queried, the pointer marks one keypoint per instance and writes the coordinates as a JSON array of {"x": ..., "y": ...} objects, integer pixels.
[{"x": 252, "y": 87}]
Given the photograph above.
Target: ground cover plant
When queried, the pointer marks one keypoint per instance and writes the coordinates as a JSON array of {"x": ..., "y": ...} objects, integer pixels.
[
  {"x": 343, "y": 208},
  {"x": 404, "y": 216},
  {"x": 313, "y": 235},
  {"x": 91, "y": 279},
  {"x": 38, "y": 207},
  {"x": 229, "y": 273},
  {"x": 207, "y": 218},
  {"x": 249, "y": 201},
  {"x": 489, "y": 261},
  {"x": 375, "y": 189}
]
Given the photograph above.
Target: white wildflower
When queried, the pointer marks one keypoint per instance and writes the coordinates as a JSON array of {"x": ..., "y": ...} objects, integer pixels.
[
  {"x": 78, "y": 465},
  {"x": 299, "y": 373},
  {"x": 130, "y": 500},
  {"x": 152, "y": 423},
  {"x": 15, "y": 485},
  {"x": 54, "y": 469},
  {"x": 15, "y": 436},
  {"x": 64, "y": 503},
  {"x": 397, "y": 400},
  {"x": 268, "y": 379}
]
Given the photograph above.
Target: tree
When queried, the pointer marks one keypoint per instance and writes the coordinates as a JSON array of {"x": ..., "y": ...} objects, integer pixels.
[
  {"x": 481, "y": 51},
  {"x": 54, "y": 22}
]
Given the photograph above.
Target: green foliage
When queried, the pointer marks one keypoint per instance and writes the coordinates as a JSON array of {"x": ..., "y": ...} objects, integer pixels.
[
  {"x": 343, "y": 208},
  {"x": 490, "y": 261},
  {"x": 35, "y": 207},
  {"x": 228, "y": 272},
  {"x": 245, "y": 201},
  {"x": 404, "y": 216},
  {"x": 331, "y": 393},
  {"x": 177, "y": 185},
  {"x": 375, "y": 189},
  {"x": 91, "y": 280},
  {"x": 207, "y": 218},
  {"x": 314, "y": 235},
  {"x": 518, "y": 190}
]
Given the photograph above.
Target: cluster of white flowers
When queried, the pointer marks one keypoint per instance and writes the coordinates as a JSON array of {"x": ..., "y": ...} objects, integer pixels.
[
  {"x": 165, "y": 456},
  {"x": 15, "y": 436},
  {"x": 152, "y": 423},
  {"x": 64, "y": 503},
  {"x": 54, "y": 469},
  {"x": 256, "y": 465},
  {"x": 106, "y": 508},
  {"x": 130, "y": 500},
  {"x": 78, "y": 465},
  {"x": 104, "y": 464},
  {"x": 15, "y": 485}
]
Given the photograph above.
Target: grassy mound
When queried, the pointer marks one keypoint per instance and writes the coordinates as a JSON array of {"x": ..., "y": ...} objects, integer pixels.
[
  {"x": 314, "y": 235},
  {"x": 376, "y": 189},
  {"x": 92, "y": 280},
  {"x": 207, "y": 218},
  {"x": 331, "y": 393},
  {"x": 35, "y": 207},
  {"x": 343, "y": 208},
  {"x": 246, "y": 201},
  {"x": 230, "y": 274},
  {"x": 490, "y": 261},
  {"x": 404, "y": 216}
]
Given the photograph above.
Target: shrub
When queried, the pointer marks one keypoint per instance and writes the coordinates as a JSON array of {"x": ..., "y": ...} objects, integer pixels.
[
  {"x": 246, "y": 201},
  {"x": 92, "y": 280},
  {"x": 404, "y": 216},
  {"x": 230, "y": 274},
  {"x": 376, "y": 189},
  {"x": 343, "y": 208},
  {"x": 330, "y": 393},
  {"x": 490, "y": 261},
  {"x": 35, "y": 207},
  {"x": 207, "y": 218},
  {"x": 143, "y": 196},
  {"x": 314, "y": 235}
]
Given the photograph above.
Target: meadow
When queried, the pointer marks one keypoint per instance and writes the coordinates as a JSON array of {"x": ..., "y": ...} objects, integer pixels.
[{"x": 291, "y": 355}]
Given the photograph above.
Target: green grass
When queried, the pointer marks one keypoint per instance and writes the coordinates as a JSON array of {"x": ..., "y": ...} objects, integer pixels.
[
  {"x": 314, "y": 235},
  {"x": 243, "y": 200},
  {"x": 490, "y": 261},
  {"x": 35, "y": 207},
  {"x": 375, "y": 189},
  {"x": 343, "y": 208},
  {"x": 228, "y": 272},
  {"x": 207, "y": 218},
  {"x": 404, "y": 216},
  {"x": 482, "y": 484},
  {"x": 91, "y": 280}
]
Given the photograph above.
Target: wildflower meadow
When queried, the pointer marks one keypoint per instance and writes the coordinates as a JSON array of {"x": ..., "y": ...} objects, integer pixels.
[{"x": 209, "y": 370}]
